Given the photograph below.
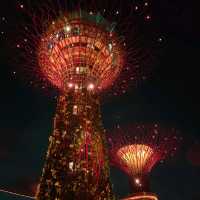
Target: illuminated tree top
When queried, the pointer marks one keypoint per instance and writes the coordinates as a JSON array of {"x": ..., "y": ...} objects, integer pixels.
[
  {"x": 138, "y": 148},
  {"x": 135, "y": 156},
  {"x": 80, "y": 51}
]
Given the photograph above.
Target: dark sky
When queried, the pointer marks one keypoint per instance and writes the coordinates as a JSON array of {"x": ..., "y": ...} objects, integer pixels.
[{"x": 171, "y": 96}]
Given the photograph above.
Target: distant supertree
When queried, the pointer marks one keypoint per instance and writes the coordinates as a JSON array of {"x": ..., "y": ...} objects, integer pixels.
[
  {"x": 136, "y": 149},
  {"x": 80, "y": 48}
]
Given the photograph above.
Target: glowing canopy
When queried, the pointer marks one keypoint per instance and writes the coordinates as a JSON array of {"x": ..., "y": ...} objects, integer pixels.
[
  {"x": 78, "y": 52},
  {"x": 135, "y": 157}
]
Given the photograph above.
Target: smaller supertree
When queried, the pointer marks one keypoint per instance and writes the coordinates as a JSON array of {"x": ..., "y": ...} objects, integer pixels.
[{"x": 136, "y": 149}]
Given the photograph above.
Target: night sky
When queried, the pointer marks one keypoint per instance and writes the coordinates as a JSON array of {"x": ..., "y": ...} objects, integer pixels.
[{"x": 170, "y": 96}]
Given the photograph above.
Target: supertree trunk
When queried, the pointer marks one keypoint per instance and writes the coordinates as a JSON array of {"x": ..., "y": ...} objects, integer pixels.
[{"x": 76, "y": 165}]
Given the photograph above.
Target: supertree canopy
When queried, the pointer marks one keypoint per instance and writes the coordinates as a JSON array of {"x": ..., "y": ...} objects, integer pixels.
[
  {"x": 136, "y": 149},
  {"x": 79, "y": 51},
  {"x": 81, "y": 48},
  {"x": 87, "y": 44}
]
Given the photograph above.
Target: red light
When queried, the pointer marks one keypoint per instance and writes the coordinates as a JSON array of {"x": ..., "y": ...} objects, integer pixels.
[
  {"x": 91, "y": 86},
  {"x": 70, "y": 85}
]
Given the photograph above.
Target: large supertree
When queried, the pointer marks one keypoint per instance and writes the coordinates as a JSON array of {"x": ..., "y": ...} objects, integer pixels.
[
  {"x": 136, "y": 149},
  {"x": 79, "y": 55},
  {"x": 80, "y": 49}
]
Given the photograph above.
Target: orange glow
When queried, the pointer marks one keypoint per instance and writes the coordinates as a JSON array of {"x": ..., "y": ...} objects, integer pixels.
[
  {"x": 80, "y": 52},
  {"x": 135, "y": 157},
  {"x": 90, "y": 86},
  {"x": 144, "y": 196}
]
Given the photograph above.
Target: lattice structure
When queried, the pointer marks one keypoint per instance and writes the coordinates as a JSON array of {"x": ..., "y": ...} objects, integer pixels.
[
  {"x": 80, "y": 58},
  {"x": 81, "y": 54},
  {"x": 138, "y": 150},
  {"x": 78, "y": 50},
  {"x": 76, "y": 166}
]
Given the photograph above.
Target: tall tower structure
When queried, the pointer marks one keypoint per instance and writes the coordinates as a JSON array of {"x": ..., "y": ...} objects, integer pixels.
[
  {"x": 80, "y": 56},
  {"x": 137, "y": 149}
]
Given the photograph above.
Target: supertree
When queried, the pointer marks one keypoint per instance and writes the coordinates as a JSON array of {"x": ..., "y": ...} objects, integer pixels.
[
  {"x": 80, "y": 51},
  {"x": 80, "y": 56},
  {"x": 136, "y": 149}
]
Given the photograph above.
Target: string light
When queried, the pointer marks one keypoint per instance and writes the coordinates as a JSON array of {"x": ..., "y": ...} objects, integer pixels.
[
  {"x": 137, "y": 181},
  {"x": 70, "y": 85},
  {"x": 136, "y": 8},
  {"x": 160, "y": 39},
  {"x": 67, "y": 28},
  {"x": 148, "y": 17},
  {"x": 91, "y": 86},
  {"x": 16, "y": 194}
]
